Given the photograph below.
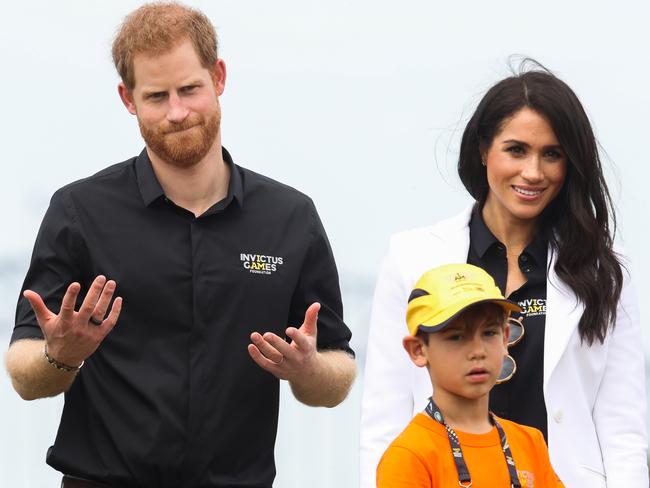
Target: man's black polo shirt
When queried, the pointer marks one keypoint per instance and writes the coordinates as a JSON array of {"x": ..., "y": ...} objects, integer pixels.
[
  {"x": 521, "y": 399},
  {"x": 171, "y": 398}
]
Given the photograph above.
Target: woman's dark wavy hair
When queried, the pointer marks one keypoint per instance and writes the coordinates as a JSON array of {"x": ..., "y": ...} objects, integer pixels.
[{"x": 580, "y": 222}]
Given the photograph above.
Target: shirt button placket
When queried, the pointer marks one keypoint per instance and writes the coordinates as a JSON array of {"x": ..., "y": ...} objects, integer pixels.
[
  {"x": 525, "y": 263},
  {"x": 194, "y": 379}
]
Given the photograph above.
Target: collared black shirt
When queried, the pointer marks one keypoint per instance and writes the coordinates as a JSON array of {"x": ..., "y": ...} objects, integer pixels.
[
  {"x": 521, "y": 399},
  {"x": 171, "y": 398}
]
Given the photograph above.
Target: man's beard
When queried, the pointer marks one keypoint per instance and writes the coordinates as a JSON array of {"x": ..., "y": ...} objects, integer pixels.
[{"x": 180, "y": 147}]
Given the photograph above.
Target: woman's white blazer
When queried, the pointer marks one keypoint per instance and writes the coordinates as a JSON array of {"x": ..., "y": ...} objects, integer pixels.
[{"x": 595, "y": 395}]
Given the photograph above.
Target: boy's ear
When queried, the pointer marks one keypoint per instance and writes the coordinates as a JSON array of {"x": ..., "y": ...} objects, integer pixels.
[{"x": 416, "y": 350}]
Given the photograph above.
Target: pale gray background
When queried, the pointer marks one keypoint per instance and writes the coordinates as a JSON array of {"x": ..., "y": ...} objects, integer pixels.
[{"x": 360, "y": 104}]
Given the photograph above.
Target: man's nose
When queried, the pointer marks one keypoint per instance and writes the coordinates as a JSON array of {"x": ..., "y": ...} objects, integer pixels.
[{"x": 177, "y": 110}]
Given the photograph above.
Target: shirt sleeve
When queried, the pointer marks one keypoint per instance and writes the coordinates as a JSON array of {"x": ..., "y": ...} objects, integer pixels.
[
  {"x": 53, "y": 266},
  {"x": 387, "y": 402},
  {"x": 400, "y": 468},
  {"x": 319, "y": 282}
]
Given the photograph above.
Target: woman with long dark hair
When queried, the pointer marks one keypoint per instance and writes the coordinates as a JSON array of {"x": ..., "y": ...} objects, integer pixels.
[{"x": 542, "y": 225}]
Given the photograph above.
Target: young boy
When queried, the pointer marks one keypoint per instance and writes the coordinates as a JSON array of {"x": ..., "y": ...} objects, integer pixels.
[{"x": 458, "y": 329}]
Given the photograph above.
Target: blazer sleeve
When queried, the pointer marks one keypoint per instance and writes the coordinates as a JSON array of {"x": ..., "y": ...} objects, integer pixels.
[
  {"x": 620, "y": 407},
  {"x": 387, "y": 402}
]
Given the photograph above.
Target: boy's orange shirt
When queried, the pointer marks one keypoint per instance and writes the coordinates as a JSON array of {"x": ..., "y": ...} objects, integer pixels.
[{"x": 421, "y": 457}]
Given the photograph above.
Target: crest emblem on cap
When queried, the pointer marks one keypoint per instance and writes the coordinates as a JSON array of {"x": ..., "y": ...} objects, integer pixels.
[{"x": 459, "y": 277}]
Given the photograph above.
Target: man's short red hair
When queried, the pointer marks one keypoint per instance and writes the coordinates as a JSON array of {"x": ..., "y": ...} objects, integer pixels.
[{"x": 156, "y": 28}]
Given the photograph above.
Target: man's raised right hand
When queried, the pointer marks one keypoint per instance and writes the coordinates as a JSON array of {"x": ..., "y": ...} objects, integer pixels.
[{"x": 72, "y": 336}]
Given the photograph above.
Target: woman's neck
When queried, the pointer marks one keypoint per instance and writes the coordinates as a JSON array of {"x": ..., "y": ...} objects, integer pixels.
[{"x": 514, "y": 233}]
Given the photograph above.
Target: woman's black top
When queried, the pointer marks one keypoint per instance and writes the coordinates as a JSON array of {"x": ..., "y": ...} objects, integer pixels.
[{"x": 521, "y": 399}]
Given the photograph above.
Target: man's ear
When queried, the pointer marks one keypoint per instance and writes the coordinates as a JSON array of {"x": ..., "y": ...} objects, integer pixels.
[
  {"x": 416, "y": 350},
  {"x": 127, "y": 98},
  {"x": 218, "y": 74}
]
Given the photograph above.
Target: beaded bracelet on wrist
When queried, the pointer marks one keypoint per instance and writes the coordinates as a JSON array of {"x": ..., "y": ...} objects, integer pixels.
[{"x": 59, "y": 365}]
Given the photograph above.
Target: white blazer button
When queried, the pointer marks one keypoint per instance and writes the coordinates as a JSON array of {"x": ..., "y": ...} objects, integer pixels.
[{"x": 558, "y": 416}]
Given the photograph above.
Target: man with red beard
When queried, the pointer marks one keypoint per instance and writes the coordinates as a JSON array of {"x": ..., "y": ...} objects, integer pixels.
[{"x": 220, "y": 281}]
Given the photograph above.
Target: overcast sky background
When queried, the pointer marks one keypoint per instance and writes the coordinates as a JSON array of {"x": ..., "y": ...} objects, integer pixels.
[{"x": 359, "y": 104}]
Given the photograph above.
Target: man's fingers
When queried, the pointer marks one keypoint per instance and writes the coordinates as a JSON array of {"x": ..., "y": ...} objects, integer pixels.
[
  {"x": 300, "y": 339},
  {"x": 279, "y": 343},
  {"x": 104, "y": 301},
  {"x": 261, "y": 360},
  {"x": 311, "y": 318},
  {"x": 270, "y": 347},
  {"x": 92, "y": 297},
  {"x": 111, "y": 320},
  {"x": 38, "y": 306},
  {"x": 69, "y": 301}
]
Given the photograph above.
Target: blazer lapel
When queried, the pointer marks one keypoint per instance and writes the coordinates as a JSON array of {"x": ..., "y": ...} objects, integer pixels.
[
  {"x": 563, "y": 312},
  {"x": 454, "y": 234}
]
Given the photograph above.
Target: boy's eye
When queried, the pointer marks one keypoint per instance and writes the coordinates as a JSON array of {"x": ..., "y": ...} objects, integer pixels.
[{"x": 454, "y": 337}]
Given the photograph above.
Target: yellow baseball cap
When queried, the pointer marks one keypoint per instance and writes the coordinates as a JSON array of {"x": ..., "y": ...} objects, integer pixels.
[{"x": 444, "y": 292}]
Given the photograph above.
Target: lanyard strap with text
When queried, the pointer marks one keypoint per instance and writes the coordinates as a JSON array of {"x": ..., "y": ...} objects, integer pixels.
[{"x": 464, "y": 479}]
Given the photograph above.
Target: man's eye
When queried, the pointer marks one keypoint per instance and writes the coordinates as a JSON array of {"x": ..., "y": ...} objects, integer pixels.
[
  {"x": 189, "y": 89},
  {"x": 156, "y": 96}
]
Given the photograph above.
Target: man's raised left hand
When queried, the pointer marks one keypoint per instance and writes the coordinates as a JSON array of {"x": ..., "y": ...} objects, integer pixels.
[{"x": 288, "y": 361}]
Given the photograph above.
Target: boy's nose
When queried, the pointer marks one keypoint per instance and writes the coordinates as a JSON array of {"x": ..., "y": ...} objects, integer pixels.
[{"x": 477, "y": 347}]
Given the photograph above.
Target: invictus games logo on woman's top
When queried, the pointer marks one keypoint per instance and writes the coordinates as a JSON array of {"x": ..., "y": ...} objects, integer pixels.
[
  {"x": 533, "y": 306},
  {"x": 260, "y": 263}
]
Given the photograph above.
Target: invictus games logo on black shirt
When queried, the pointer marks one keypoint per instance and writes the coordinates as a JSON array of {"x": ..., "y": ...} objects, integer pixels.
[
  {"x": 260, "y": 263},
  {"x": 533, "y": 306}
]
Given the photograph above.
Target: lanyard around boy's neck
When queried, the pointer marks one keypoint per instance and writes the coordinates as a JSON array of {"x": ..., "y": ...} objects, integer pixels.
[{"x": 464, "y": 479}]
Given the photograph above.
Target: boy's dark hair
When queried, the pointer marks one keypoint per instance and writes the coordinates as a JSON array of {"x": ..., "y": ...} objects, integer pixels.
[{"x": 476, "y": 308}]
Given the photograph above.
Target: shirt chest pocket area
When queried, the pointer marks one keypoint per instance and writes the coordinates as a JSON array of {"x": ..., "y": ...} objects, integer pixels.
[{"x": 266, "y": 283}]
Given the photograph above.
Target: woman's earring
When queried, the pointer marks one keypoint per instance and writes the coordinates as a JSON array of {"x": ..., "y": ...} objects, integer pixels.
[{"x": 483, "y": 163}]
